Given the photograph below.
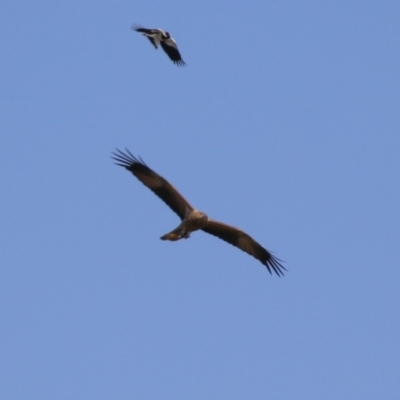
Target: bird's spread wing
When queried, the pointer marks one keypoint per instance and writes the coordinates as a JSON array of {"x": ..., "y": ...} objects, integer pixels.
[
  {"x": 139, "y": 28},
  {"x": 147, "y": 32},
  {"x": 156, "y": 183},
  {"x": 170, "y": 47},
  {"x": 243, "y": 241}
]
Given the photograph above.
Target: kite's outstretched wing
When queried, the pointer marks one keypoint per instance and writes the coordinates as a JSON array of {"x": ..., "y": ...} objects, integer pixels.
[
  {"x": 156, "y": 183},
  {"x": 244, "y": 242}
]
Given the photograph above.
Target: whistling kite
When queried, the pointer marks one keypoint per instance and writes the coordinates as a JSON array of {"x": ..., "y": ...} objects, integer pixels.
[
  {"x": 193, "y": 220},
  {"x": 160, "y": 37}
]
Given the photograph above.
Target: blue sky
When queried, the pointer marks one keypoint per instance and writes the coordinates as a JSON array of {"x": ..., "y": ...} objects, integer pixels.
[{"x": 285, "y": 123}]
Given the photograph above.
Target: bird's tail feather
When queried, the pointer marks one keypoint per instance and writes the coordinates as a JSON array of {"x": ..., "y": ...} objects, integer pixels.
[{"x": 173, "y": 236}]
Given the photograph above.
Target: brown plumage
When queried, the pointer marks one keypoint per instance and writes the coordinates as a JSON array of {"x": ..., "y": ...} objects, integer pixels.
[{"x": 193, "y": 220}]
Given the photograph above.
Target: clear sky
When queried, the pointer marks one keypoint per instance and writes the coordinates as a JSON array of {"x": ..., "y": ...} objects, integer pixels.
[{"x": 285, "y": 123}]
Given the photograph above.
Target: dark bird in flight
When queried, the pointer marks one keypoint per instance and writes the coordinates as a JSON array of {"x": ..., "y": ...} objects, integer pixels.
[
  {"x": 163, "y": 38},
  {"x": 192, "y": 219}
]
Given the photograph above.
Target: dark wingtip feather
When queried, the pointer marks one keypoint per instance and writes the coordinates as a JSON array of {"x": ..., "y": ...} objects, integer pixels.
[
  {"x": 126, "y": 160},
  {"x": 179, "y": 63},
  {"x": 274, "y": 263},
  {"x": 136, "y": 27}
]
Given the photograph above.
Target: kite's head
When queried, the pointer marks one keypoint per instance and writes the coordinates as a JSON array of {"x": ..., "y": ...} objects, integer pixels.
[{"x": 201, "y": 216}]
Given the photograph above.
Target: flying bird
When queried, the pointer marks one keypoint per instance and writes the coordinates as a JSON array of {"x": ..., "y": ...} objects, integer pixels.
[
  {"x": 164, "y": 39},
  {"x": 192, "y": 219}
]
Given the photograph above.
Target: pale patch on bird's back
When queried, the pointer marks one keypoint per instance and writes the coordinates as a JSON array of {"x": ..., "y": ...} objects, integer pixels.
[{"x": 171, "y": 42}]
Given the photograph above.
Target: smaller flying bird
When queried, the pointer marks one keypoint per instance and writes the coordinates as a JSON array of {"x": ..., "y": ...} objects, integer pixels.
[
  {"x": 164, "y": 39},
  {"x": 192, "y": 219}
]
